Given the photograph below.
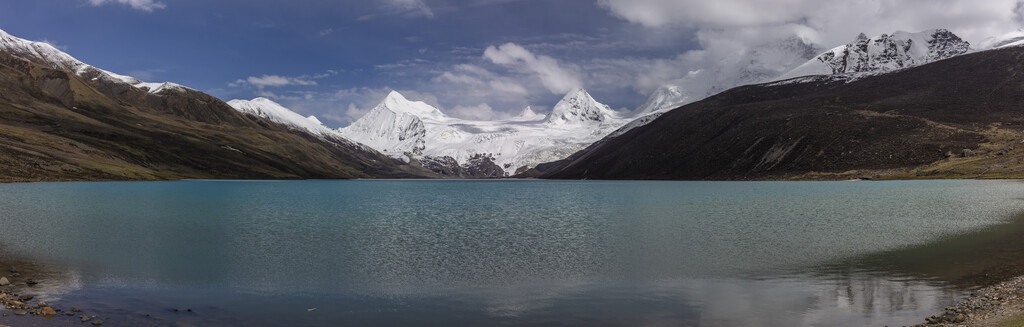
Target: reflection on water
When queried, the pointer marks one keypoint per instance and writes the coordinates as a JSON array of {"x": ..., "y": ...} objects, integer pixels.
[{"x": 513, "y": 253}]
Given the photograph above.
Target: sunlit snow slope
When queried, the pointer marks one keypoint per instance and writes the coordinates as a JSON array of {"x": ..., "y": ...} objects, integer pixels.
[{"x": 415, "y": 130}]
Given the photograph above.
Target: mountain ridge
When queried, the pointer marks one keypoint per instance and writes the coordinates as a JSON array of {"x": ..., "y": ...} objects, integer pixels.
[
  {"x": 416, "y": 131},
  {"x": 89, "y": 124},
  {"x": 919, "y": 122}
]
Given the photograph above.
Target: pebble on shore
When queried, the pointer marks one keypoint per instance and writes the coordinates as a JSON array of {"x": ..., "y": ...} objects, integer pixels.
[{"x": 989, "y": 306}]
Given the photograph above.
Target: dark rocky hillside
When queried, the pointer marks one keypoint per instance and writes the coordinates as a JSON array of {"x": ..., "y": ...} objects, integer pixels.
[
  {"x": 55, "y": 125},
  {"x": 957, "y": 118}
]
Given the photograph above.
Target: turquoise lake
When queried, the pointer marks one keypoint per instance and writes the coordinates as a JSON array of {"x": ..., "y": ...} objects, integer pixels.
[{"x": 509, "y": 252}]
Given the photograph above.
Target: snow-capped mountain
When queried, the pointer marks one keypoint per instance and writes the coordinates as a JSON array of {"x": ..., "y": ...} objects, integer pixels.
[
  {"x": 275, "y": 112},
  {"x": 665, "y": 97},
  {"x": 45, "y": 54},
  {"x": 415, "y": 130},
  {"x": 393, "y": 126},
  {"x": 884, "y": 53},
  {"x": 756, "y": 65},
  {"x": 578, "y": 107},
  {"x": 795, "y": 57}
]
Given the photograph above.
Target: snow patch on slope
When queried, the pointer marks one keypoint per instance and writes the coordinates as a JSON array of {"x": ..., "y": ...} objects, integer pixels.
[
  {"x": 275, "y": 112},
  {"x": 45, "y": 54}
]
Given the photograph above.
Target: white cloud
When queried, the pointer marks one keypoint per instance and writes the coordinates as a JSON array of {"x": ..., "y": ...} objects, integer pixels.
[
  {"x": 55, "y": 45},
  {"x": 471, "y": 76},
  {"x": 556, "y": 79},
  {"x": 656, "y": 13},
  {"x": 272, "y": 80},
  {"x": 835, "y": 21},
  {"x": 144, "y": 5},
  {"x": 410, "y": 8},
  {"x": 481, "y": 111},
  {"x": 261, "y": 82},
  {"x": 268, "y": 94}
]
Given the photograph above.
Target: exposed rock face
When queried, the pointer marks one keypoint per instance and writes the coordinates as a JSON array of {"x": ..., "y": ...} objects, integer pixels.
[{"x": 884, "y": 53}]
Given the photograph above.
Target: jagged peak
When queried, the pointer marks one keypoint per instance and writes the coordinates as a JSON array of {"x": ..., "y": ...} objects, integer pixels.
[
  {"x": 884, "y": 53},
  {"x": 578, "y": 106}
]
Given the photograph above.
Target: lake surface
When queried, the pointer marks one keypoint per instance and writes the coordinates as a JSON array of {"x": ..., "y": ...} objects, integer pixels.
[{"x": 511, "y": 252}]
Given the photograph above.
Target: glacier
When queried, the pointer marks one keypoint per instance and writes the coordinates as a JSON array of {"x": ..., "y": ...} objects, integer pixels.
[{"x": 413, "y": 130}]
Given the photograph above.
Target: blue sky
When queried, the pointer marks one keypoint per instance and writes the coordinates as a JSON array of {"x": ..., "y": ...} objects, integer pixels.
[{"x": 481, "y": 59}]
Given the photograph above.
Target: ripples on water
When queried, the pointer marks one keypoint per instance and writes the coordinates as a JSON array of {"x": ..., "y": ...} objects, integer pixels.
[{"x": 506, "y": 252}]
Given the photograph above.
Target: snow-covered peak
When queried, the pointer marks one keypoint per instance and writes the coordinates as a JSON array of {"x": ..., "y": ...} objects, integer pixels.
[
  {"x": 394, "y": 126},
  {"x": 402, "y": 130},
  {"x": 397, "y": 103},
  {"x": 528, "y": 115},
  {"x": 578, "y": 107},
  {"x": 664, "y": 98},
  {"x": 884, "y": 53},
  {"x": 45, "y": 54},
  {"x": 273, "y": 111},
  {"x": 1015, "y": 38},
  {"x": 39, "y": 52}
]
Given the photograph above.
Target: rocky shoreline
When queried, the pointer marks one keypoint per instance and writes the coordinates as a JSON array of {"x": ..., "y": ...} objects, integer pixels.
[
  {"x": 998, "y": 305},
  {"x": 19, "y": 297},
  {"x": 15, "y": 295}
]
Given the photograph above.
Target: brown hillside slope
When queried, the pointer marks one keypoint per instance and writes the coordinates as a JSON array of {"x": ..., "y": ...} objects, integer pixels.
[{"x": 57, "y": 126}]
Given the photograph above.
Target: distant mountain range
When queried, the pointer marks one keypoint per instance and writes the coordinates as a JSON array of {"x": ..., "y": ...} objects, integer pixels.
[
  {"x": 417, "y": 131},
  {"x": 870, "y": 108},
  {"x": 62, "y": 119}
]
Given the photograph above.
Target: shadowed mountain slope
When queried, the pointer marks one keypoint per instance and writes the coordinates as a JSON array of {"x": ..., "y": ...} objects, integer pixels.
[{"x": 960, "y": 117}]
